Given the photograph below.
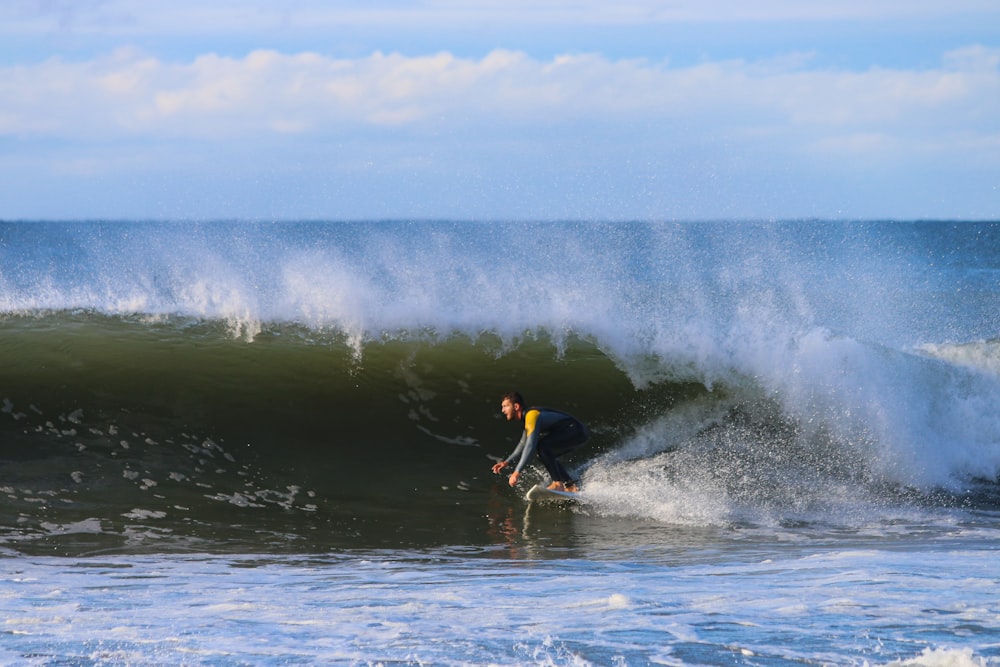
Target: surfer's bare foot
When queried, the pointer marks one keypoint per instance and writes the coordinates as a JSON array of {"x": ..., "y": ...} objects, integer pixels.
[
  {"x": 572, "y": 487},
  {"x": 557, "y": 486}
]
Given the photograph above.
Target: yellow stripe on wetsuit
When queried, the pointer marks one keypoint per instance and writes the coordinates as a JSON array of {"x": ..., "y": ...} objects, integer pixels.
[{"x": 530, "y": 419}]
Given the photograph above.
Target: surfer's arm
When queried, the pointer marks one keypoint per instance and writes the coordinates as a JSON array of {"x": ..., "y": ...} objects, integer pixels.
[
  {"x": 529, "y": 442},
  {"x": 525, "y": 449},
  {"x": 500, "y": 465},
  {"x": 517, "y": 450}
]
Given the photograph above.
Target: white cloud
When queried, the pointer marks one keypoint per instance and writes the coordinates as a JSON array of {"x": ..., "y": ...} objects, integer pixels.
[
  {"x": 132, "y": 94},
  {"x": 306, "y": 133}
]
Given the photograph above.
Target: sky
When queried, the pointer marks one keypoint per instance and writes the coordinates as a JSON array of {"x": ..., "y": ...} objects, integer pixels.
[{"x": 499, "y": 109}]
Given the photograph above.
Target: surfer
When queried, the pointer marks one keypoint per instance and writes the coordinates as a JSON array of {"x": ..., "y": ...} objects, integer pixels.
[{"x": 548, "y": 433}]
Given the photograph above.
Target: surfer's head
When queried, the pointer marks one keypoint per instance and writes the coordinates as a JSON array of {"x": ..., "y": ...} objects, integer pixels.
[{"x": 512, "y": 405}]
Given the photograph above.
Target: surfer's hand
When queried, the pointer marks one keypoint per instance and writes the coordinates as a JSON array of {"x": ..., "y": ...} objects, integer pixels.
[
  {"x": 514, "y": 476},
  {"x": 497, "y": 467}
]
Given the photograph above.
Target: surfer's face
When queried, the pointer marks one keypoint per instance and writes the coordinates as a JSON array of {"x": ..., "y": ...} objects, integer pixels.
[{"x": 509, "y": 409}]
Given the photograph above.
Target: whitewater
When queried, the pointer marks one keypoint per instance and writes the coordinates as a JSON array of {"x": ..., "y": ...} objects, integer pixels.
[{"x": 270, "y": 443}]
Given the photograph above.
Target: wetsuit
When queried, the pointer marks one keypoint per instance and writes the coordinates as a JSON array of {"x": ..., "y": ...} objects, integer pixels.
[{"x": 550, "y": 434}]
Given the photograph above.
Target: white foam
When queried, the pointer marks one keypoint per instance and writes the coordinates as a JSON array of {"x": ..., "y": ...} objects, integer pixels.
[
  {"x": 980, "y": 355},
  {"x": 944, "y": 657}
]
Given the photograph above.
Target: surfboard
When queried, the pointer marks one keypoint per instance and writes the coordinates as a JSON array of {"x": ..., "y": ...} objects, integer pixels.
[{"x": 539, "y": 493}]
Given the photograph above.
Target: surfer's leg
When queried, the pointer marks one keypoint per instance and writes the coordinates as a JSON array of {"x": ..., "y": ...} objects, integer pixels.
[
  {"x": 556, "y": 470},
  {"x": 558, "y": 443}
]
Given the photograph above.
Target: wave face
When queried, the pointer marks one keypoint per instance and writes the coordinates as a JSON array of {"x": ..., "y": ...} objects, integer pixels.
[{"x": 234, "y": 384}]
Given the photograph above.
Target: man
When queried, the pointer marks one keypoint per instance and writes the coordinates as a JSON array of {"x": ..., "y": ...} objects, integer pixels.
[{"x": 548, "y": 433}]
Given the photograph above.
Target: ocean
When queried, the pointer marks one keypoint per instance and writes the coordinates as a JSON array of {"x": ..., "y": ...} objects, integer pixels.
[{"x": 250, "y": 443}]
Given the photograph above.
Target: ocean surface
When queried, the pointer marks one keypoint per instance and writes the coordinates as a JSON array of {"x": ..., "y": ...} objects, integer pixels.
[{"x": 270, "y": 444}]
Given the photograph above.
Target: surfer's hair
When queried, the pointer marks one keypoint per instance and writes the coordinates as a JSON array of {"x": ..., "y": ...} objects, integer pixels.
[{"x": 514, "y": 397}]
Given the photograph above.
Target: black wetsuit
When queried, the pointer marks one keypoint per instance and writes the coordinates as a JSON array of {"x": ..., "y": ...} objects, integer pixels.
[{"x": 550, "y": 434}]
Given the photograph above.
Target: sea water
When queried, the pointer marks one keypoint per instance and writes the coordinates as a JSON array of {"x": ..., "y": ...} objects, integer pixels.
[{"x": 250, "y": 443}]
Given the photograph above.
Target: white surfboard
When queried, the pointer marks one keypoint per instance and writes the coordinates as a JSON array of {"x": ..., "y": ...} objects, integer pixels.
[{"x": 540, "y": 493}]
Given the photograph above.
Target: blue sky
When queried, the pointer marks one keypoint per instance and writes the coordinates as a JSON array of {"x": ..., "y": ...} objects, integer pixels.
[{"x": 516, "y": 109}]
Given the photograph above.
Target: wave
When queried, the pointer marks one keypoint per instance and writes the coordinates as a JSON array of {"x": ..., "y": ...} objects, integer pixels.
[
  {"x": 233, "y": 381},
  {"x": 175, "y": 428}
]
